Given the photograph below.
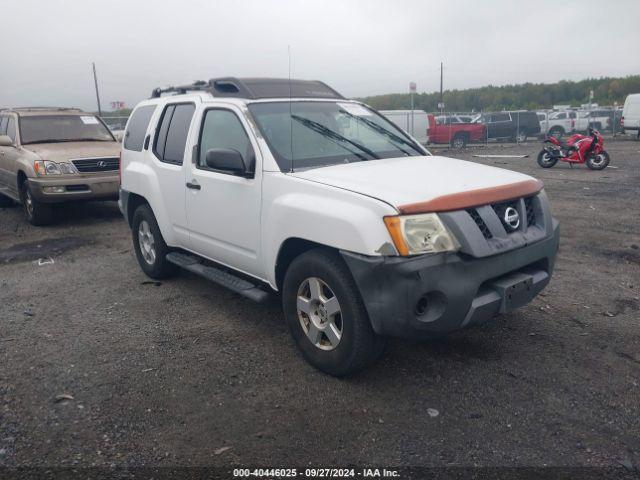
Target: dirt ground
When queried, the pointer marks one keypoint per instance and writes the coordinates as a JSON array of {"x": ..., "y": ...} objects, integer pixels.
[{"x": 183, "y": 372}]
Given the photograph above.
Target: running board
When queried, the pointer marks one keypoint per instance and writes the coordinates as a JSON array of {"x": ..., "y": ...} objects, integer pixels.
[{"x": 216, "y": 275}]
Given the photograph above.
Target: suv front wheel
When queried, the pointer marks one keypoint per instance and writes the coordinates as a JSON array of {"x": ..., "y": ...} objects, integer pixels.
[
  {"x": 150, "y": 248},
  {"x": 326, "y": 315},
  {"x": 37, "y": 213}
]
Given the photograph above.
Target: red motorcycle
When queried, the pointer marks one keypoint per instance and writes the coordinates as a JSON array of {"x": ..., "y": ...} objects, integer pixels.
[{"x": 578, "y": 149}]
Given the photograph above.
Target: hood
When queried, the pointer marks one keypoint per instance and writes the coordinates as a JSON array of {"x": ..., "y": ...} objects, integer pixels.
[
  {"x": 63, "y": 151},
  {"x": 426, "y": 184}
]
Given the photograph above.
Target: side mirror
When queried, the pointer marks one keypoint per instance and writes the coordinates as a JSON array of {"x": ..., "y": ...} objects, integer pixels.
[
  {"x": 226, "y": 159},
  {"x": 5, "y": 141}
]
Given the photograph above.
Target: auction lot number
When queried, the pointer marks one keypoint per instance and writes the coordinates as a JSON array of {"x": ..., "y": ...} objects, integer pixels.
[{"x": 313, "y": 473}]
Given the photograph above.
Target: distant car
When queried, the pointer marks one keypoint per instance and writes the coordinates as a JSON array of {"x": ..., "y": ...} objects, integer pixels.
[
  {"x": 631, "y": 114},
  {"x": 557, "y": 124},
  {"x": 55, "y": 155},
  {"x": 414, "y": 122},
  {"x": 601, "y": 120},
  {"x": 454, "y": 132},
  {"x": 448, "y": 119},
  {"x": 516, "y": 125}
]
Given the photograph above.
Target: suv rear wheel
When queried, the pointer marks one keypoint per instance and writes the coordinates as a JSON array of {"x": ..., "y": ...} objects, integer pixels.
[
  {"x": 521, "y": 136},
  {"x": 326, "y": 315},
  {"x": 151, "y": 249},
  {"x": 37, "y": 213}
]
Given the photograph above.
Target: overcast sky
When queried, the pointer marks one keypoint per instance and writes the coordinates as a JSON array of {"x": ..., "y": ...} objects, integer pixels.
[{"x": 360, "y": 47}]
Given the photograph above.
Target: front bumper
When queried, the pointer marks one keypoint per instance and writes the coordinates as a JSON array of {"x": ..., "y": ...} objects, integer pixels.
[
  {"x": 103, "y": 187},
  {"x": 417, "y": 296}
]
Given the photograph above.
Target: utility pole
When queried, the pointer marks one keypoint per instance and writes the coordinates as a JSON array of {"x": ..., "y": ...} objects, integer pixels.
[{"x": 95, "y": 81}]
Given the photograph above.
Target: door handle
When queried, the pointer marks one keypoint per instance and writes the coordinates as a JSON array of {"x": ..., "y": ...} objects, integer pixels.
[{"x": 193, "y": 185}]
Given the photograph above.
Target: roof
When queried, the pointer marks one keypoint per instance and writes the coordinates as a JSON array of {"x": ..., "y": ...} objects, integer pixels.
[
  {"x": 28, "y": 111},
  {"x": 256, "y": 88}
]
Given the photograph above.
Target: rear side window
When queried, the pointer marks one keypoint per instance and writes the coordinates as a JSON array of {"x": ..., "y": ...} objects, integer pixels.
[
  {"x": 137, "y": 128},
  {"x": 500, "y": 117},
  {"x": 171, "y": 138},
  {"x": 3, "y": 125}
]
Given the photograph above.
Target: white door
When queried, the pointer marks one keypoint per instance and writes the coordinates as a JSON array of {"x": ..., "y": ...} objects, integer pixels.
[
  {"x": 223, "y": 208},
  {"x": 168, "y": 153}
]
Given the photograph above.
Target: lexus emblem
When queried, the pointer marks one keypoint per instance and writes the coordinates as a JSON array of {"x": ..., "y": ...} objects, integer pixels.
[
  {"x": 511, "y": 218},
  {"x": 102, "y": 164}
]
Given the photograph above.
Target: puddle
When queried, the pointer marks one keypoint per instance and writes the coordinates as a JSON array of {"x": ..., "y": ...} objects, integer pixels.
[{"x": 50, "y": 247}]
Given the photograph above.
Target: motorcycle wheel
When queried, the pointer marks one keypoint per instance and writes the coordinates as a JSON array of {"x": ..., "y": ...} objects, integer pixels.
[
  {"x": 599, "y": 161},
  {"x": 545, "y": 160}
]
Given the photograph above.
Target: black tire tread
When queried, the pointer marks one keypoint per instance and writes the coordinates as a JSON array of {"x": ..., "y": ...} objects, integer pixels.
[
  {"x": 42, "y": 212},
  {"x": 366, "y": 346},
  {"x": 161, "y": 268}
]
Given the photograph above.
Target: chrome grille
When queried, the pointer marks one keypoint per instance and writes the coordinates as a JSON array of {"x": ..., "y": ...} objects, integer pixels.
[{"x": 103, "y": 164}]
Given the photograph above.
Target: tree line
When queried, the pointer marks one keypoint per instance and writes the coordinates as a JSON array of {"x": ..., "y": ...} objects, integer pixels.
[{"x": 528, "y": 96}]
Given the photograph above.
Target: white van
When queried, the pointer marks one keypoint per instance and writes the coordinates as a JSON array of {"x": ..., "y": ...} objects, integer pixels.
[
  {"x": 414, "y": 122},
  {"x": 631, "y": 114}
]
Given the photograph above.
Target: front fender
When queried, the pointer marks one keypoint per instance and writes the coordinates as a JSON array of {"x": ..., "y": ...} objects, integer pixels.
[{"x": 325, "y": 215}]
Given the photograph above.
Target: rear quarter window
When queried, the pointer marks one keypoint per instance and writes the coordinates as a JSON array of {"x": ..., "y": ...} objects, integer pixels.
[
  {"x": 171, "y": 138},
  {"x": 137, "y": 128}
]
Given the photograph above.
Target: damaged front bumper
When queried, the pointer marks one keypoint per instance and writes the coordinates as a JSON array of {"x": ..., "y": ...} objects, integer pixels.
[{"x": 427, "y": 294}]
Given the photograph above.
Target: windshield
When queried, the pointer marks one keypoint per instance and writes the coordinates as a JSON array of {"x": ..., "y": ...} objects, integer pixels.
[
  {"x": 62, "y": 128},
  {"x": 313, "y": 134}
]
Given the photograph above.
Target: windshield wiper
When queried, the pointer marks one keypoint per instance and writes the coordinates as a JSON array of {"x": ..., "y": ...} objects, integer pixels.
[
  {"x": 386, "y": 132},
  {"x": 87, "y": 140},
  {"x": 46, "y": 140},
  {"x": 327, "y": 132},
  {"x": 63, "y": 140}
]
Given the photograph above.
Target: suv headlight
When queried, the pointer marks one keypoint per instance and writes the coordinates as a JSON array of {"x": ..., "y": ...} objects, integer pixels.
[
  {"x": 47, "y": 167},
  {"x": 417, "y": 234}
]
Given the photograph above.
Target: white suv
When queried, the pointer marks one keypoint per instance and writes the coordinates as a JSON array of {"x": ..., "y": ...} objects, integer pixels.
[{"x": 267, "y": 185}]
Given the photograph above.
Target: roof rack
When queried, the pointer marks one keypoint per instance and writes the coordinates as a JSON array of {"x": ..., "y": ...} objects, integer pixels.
[
  {"x": 40, "y": 109},
  {"x": 255, "y": 88}
]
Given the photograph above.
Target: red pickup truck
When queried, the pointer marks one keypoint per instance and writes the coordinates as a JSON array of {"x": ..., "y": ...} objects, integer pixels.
[{"x": 452, "y": 130}]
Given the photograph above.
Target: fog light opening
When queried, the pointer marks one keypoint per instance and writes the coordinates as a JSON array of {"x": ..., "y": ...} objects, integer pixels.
[{"x": 422, "y": 305}]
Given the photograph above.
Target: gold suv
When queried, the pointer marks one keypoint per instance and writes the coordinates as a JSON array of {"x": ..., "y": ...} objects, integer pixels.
[{"x": 55, "y": 155}]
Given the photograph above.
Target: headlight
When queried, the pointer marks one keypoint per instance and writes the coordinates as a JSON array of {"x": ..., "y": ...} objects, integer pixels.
[
  {"x": 416, "y": 234},
  {"x": 47, "y": 167}
]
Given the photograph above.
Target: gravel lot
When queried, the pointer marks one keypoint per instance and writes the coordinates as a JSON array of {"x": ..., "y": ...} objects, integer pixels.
[{"x": 186, "y": 373}]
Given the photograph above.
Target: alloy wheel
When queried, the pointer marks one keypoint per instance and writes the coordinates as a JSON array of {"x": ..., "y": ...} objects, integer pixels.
[
  {"x": 319, "y": 313},
  {"x": 147, "y": 242}
]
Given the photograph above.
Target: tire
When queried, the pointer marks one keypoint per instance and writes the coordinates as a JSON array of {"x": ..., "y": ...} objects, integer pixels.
[
  {"x": 556, "y": 132},
  {"x": 36, "y": 213},
  {"x": 459, "y": 141},
  {"x": 545, "y": 161},
  {"x": 599, "y": 161},
  {"x": 151, "y": 249},
  {"x": 521, "y": 136},
  {"x": 353, "y": 345}
]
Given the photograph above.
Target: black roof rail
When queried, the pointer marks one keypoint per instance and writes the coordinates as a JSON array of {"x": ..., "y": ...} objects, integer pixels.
[
  {"x": 199, "y": 85},
  {"x": 255, "y": 88}
]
